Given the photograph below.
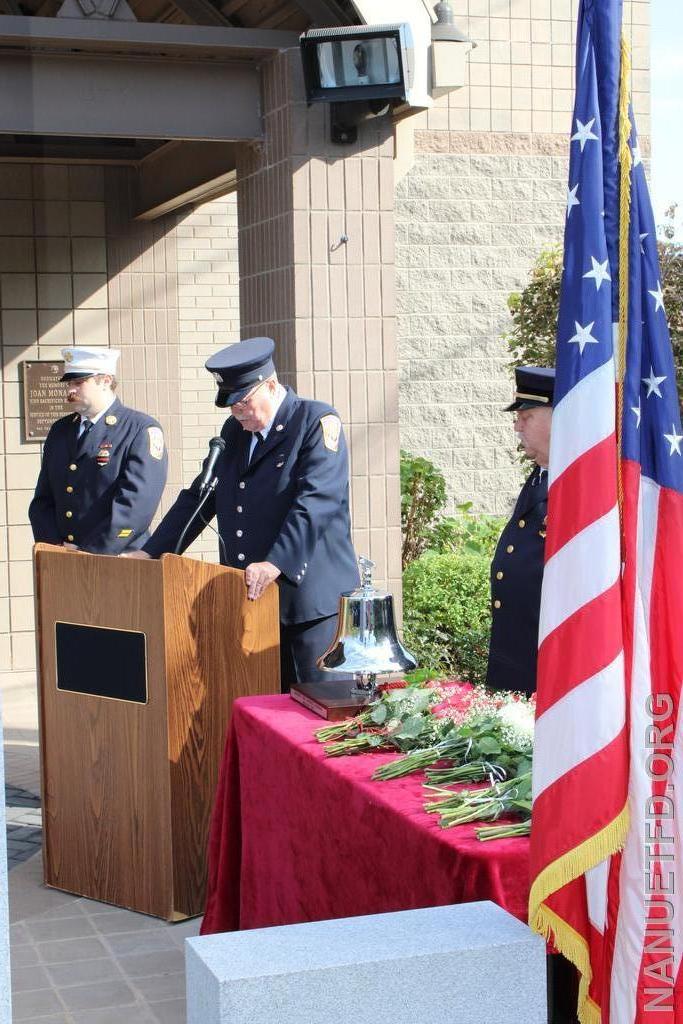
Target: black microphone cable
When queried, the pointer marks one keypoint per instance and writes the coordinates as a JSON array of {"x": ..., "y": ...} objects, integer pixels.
[
  {"x": 221, "y": 542},
  {"x": 197, "y": 512},
  {"x": 207, "y": 485}
]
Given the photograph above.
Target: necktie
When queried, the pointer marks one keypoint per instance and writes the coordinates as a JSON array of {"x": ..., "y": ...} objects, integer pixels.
[
  {"x": 259, "y": 442},
  {"x": 85, "y": 428}
]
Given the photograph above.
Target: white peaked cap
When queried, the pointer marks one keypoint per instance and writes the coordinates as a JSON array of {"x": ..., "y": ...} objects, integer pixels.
[{"x": 82, "y": 362}]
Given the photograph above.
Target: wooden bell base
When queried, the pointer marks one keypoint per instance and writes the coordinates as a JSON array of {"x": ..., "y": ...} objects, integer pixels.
[{"x": 333, "y": 701}]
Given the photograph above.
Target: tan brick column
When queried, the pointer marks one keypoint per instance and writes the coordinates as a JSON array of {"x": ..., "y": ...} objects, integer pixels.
[{"x": 329, "y": 303}]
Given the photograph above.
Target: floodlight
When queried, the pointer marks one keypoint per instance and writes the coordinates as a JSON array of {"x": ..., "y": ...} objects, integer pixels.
[{"x": 359, "y": 62}]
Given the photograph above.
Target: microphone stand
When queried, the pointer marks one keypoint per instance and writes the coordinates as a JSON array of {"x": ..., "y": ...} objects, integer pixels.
[{"x": 209, "y": 490}]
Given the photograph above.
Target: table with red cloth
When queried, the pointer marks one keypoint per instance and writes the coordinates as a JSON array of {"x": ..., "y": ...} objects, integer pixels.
[{"x": 296, "y": 836}]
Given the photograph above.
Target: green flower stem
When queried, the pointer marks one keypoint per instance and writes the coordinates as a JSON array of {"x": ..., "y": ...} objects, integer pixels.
[
  {"x": 417, "y": 760},
  {"x": 479, "y": 805},
  {"x": 355, "y": 745},
  {"x": 523, "y": 828},
  {"x": 472, "y": 772},
  {"x": 341, "y": 729}
]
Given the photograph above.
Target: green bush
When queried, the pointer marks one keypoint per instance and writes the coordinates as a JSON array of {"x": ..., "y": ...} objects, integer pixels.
[
  {"x": 423, "y": 495},
  {"x": 447, "y": 617},
  {"x": 467, "y": 533}
]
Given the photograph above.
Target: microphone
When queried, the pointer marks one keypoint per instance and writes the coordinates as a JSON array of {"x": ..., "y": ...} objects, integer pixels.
[{"x": 216, "y": 449}]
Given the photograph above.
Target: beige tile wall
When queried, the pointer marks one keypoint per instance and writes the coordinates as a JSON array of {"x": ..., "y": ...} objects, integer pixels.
[
  {"x": 75, "y": 269},
  {"x": 53, "y": 273},
  {"x": 330, "y": 304},
  {"x": 485, "y": 194},
  {"x": 520, "y": 78},
  {"x": 143, "y": 313},
  {"x": 208, "y": 320}
]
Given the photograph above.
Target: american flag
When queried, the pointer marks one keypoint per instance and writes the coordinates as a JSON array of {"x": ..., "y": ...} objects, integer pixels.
[{"x": 606, "y": 845}]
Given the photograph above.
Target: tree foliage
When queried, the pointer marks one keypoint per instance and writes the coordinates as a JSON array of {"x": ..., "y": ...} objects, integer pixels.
[
  {"x": 423, "y": 495},
  {"x": 534, "y": 311}
]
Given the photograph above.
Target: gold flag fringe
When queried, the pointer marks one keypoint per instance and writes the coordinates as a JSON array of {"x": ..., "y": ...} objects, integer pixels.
[{"x": 561, "y": 872}]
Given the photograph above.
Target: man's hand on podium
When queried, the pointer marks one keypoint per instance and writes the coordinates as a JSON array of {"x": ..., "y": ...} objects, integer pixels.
[
  {"x": 134, "y": 554},
  {"x": 258, "y": 576},
  {"x": 69, "y": 546}
]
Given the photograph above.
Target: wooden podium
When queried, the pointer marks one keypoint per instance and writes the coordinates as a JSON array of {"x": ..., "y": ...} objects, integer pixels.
[{"x": 139, "y": 663}]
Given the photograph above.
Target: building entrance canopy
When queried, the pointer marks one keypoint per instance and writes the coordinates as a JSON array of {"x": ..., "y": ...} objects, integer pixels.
[{"x": 173, "y": 100}]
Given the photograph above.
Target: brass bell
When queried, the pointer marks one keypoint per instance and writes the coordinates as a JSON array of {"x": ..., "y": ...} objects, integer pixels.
[{"x": 366, "y": 644}]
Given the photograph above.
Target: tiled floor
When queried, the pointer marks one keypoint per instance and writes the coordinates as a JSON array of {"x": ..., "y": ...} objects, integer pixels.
[
  {"x": 75, "y": 961},
  {"x": 24, "y": 825}
]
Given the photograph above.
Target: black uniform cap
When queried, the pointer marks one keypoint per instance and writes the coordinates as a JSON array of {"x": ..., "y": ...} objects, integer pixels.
[
  {"x": 240, "y": 367},
  {"x": 534, "y": 386}
]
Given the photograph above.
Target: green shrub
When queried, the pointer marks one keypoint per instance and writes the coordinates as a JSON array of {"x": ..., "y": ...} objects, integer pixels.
[
  {"x": 467, "y": 533},
  {"x": 447, "y": 616},
  {"x": 423, "y": 495}
]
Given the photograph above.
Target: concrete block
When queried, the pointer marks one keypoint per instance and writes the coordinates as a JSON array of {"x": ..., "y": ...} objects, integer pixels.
[{"x": 474, "y": 958}]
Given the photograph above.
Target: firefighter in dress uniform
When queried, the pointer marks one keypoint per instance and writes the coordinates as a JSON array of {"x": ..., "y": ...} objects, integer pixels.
[
  {"x": 104, "y": 466},
  {"x": 281, "y": 502},
  {"x": 517, "y": 567}
]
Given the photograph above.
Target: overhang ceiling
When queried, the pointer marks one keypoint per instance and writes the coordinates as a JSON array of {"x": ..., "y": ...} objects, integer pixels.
[
  {"x": 273, "y": 14},
  {"x": 172, "y": 158}
]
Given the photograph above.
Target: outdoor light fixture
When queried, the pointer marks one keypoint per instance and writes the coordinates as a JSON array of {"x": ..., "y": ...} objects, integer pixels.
[
  {"x": 450, "y": 46},
  {"x": 360, "y": 70}
]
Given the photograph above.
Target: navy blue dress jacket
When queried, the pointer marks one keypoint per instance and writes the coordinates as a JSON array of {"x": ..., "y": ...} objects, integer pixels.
[
  {"x": 516, "y": 578},
  {"x": 100, "y": 494},
  {"x": 288, "y": 506}
]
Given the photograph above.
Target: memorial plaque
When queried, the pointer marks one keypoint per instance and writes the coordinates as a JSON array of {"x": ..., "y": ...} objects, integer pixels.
[{"x": 44, "y": 399}]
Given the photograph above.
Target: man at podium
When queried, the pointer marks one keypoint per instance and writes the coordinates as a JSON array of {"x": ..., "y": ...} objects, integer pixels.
[{"x": 281, "y": 496}]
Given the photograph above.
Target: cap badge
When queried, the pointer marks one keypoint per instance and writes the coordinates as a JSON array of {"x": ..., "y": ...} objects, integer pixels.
[
  {"x": 68, "y": 356},
  {"x": 110, "y": 420}
]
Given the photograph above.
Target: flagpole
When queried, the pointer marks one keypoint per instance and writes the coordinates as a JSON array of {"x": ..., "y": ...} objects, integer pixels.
[{"x": 625, "y": 162}]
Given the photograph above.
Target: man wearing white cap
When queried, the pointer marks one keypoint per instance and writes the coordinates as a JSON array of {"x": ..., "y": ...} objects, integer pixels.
[{"x": 104, "y": 465}]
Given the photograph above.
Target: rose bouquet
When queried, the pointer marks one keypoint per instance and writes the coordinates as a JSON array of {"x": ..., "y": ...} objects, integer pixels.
[{"x": 458, "y": 734}]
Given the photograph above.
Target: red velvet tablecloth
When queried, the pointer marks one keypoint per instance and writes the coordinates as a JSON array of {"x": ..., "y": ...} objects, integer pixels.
[{"x": 296, "y": 836}]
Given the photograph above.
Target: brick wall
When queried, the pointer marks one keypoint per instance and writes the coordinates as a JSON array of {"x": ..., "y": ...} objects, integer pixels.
[
  {"x": 208, "y": 319},
  {"x": 76, "y": 269},
  {"x": 486, "y": 192},
  {"x": 53, "y": 292},
  {"x": 329, "y": 304}
]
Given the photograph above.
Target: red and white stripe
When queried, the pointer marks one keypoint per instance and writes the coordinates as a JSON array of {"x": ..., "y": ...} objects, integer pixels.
[
  {"x": 647, "y": 950},
  {"x": 580, "y": 746},
  {"x": 609, "y": 646}
]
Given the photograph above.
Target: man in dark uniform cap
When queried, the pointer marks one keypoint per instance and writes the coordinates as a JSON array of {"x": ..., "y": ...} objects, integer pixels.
[
  {"x": 104, "y": 466},
  {"x": 517, "y": 567},
  {"x": 282, "y": 502}
]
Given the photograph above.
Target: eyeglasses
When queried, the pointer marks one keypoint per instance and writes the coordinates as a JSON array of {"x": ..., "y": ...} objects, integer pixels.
[{"x": 243, "y": 402}]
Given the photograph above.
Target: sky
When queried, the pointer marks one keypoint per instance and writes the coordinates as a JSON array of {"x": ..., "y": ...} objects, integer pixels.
[{"x": 667, "y": 107}]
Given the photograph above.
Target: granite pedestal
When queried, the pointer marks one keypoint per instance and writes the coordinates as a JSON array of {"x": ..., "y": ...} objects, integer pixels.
[{"x": 469, "y": 964}]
